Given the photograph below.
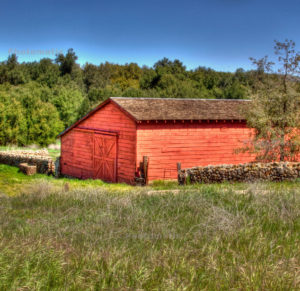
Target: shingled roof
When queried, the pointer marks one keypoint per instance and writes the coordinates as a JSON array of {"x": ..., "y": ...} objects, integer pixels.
[
  {"x": 141, "y": 109},
  {"x": 182, "y": 109}
]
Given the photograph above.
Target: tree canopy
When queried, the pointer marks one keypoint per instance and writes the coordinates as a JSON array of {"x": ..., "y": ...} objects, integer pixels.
[
  {"x": 39, "y": 99},
  {"x": 275, "y": 110}
]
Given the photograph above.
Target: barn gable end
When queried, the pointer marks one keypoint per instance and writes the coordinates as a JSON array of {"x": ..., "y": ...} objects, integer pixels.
[{"x": 107, "y": 124}]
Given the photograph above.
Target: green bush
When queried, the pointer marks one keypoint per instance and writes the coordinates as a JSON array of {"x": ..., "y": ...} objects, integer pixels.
[{"x": 25, "y": 119}]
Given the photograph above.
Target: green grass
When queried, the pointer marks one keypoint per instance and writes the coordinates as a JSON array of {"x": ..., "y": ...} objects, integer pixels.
[
  {"x": 99, "y": 236},
  {"x": 13, "y": 182}
]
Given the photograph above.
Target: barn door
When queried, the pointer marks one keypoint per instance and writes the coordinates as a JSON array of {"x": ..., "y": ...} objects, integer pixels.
[{"x": 105, "y": 157}]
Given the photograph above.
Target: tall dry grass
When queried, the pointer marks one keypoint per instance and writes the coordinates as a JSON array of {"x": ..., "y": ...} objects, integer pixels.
[{"x": 208, "y": 238}]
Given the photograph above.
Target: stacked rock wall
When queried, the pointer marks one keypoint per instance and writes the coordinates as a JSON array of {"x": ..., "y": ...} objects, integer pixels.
[
  {"x": 240, "y": 173},
  {"x": 44, "y": 163}
]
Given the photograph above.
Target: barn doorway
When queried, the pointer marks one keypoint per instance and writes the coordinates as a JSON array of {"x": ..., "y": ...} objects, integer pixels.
[
  {"x": 105, "y": 157},
  {"x": 90, "y": 154}
]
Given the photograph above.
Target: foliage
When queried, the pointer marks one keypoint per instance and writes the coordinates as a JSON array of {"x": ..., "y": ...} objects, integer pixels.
[
  {"x": 66, "y": 62},
  {"x": 75, "y": 90},
  {"x": 275, "y": 110},
  {"x": 25, "y": 118},
  {"x": 12, "y": 120},
  {"x": 67, "y": 100},
  {"x": 11, "y": 72}
]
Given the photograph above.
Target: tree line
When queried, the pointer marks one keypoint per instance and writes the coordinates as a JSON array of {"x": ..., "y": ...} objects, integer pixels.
[{"x": 40, "y": 99}]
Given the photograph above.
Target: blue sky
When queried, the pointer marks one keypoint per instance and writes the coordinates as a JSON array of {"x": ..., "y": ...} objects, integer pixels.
[{"x": 221, "y": 34}]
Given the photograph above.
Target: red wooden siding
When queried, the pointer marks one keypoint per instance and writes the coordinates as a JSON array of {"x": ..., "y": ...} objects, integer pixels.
[
  {"x": 192, "y": 144},
  {"x": 77, "y": 154},
  {"x": 79, "y": 151}
]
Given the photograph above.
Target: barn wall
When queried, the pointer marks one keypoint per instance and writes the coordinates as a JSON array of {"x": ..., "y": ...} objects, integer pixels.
[
  {"x": 192, "y": 144},
  {"x": 77, "y": 154},
  {"x": 111, "y": 118}
]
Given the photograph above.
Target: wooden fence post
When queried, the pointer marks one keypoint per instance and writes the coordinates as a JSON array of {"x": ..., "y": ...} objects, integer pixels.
[
  {"x": 178, "y": 172},
  {"x": 145, "y": 168}
]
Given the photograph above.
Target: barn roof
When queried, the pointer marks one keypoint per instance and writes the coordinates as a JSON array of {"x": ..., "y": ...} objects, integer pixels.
[
  {"x": 141, "y": 109},
  {"x": 182, "y": 109}
]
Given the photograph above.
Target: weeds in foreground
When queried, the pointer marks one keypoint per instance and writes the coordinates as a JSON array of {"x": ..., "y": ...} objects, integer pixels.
[{"x": 206, "y": 237}]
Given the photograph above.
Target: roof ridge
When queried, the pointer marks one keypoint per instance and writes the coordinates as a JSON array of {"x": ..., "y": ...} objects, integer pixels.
[{"x": 167, "y": 98}]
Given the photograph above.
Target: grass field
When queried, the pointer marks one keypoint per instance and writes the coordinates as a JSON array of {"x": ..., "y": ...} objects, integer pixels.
[{"x": 87, "y": 235}]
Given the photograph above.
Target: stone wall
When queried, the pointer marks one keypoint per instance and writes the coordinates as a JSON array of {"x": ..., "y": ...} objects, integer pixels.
[
  {"x": 240, "y": 173},
  {"x": 44, "y": 163}
]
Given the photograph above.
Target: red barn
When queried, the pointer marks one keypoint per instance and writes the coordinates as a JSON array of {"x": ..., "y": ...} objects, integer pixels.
[{"x": 111, "y": 141}]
